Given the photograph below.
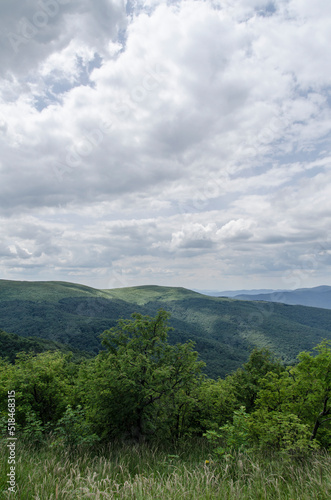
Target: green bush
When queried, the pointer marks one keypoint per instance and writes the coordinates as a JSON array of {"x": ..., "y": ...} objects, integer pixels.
[
  {"x": 233, "y": 437},
  {"x": 73, "y": 429},
  {"x": 280, "y": 432}
]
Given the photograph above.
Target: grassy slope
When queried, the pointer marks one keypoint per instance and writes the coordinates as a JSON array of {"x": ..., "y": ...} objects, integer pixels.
[
  {"x": 171, "y": 472},
  {"x": 39, "y": 291},
  {"x": 224, "y": 329},
  {"x": 141, "y": 295}
]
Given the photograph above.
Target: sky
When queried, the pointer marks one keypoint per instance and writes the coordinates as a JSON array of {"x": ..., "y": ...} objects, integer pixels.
[{"x": 179, "y": 143}]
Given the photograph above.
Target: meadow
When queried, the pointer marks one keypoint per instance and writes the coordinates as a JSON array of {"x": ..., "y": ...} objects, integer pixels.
[{"x": 185, "y": 470}]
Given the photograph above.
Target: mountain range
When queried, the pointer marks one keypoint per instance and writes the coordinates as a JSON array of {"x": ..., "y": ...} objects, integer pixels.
[
  {"x": 224, "y": 330},
  {"x": 319, "y": 296},
  {"x": 234, "y": 293}
]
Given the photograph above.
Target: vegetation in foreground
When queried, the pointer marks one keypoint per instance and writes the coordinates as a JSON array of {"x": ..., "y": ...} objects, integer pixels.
[
  {"x": 262, "y": 432},
  {"x": 156, "y": 472}
]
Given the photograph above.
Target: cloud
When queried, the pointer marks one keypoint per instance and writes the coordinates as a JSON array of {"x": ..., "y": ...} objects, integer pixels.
[
  {"x": 191, "y": 137},
  {"x": 239, "y": 229},
  {"x": 35, "y": 30}
]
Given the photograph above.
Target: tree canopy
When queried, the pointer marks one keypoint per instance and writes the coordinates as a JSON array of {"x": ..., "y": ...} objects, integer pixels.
[
  {"x": 142, "y": 387},
  {"x": 143, "y": 384}
]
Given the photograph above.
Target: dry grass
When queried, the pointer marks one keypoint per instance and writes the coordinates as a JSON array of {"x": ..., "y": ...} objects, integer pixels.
[{"x": 143, "y": 473}]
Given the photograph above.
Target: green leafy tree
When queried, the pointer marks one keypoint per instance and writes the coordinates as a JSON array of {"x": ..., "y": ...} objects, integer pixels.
[
  {"x": 142, "y": 384},
  {"x": 312, "y": 378},
  {"x": 215, "y": 404},
  {"x": 73, "y": 430},
  {"x": 246, "y": 381},
  {"x": 231, "y": 436},
  {"x": 280, "y": 431},
  {"x": 42, "y": 385},
  {"x": 293, "y": 408}
]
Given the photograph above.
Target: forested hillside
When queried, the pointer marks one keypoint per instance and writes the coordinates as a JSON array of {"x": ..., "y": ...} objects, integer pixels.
[
  {"x": 140, "y": 385},
  {"x": 224, "y": 330},
  {"x": 12, "y": 344},
  {"x": 151, "y": 399}
]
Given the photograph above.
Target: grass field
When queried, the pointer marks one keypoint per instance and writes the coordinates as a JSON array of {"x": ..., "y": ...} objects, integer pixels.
[{"x": 142, "y": 472}]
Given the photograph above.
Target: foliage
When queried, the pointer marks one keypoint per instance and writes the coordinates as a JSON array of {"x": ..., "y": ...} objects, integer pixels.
[
  {"x": 34, "y": 430},
  {"x": 143, "y": 384},
  {"x": 215, "y": 405},
  {"x": 42, "y": 386},
  {"x": 72, "y": 429},
  {"x": 246, "y": 381},
  {"x": 233, "y": 436},
  {"x": 281, "y": 432},
  {"x": 141, "y": 387},
  {"x": 293, "y": 407}
]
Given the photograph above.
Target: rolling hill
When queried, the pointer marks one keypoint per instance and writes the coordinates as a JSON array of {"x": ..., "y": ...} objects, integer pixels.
[{"x": 224, "y": 329}]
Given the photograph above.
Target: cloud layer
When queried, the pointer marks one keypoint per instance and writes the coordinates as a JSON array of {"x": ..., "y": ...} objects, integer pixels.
[{"x": 183, "y": 143}]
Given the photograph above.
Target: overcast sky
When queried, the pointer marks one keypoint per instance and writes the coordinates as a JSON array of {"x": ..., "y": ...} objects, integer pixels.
[{"x": 180, "y": 143}]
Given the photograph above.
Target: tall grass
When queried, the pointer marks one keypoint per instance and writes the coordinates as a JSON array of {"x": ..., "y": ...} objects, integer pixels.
[{"x": 143, "y": 472}]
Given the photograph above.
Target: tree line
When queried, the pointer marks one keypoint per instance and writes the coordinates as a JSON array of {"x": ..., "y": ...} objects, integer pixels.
[{"x": 140, "y": 387}]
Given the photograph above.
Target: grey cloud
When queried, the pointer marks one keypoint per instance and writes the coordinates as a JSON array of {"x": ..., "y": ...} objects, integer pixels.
[
  {"x": 34, "y": 29},
  {"x": 197, "y": 150},
  {"x": 5, "y": 251},
  {"x": 198, "y": 244}
]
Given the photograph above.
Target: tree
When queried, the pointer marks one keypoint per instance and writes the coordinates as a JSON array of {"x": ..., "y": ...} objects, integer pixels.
[
  {"x": 142, "y": 383},
  {"x": 215, "y": 404},
  {"x": 246, "y": 381},
  {"x": 41, "y": 384},
  {"x": 313, "y": 378},
  {"x": 293, "y": 408}
]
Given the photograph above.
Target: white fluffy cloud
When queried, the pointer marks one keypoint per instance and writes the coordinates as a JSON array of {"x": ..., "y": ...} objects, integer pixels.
[{"x": 182, "y": 143}]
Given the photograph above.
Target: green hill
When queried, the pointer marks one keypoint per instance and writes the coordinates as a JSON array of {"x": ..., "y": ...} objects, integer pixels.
[
  {"x": 224, "y": 329},
  {"x": 40, "y": 291}
]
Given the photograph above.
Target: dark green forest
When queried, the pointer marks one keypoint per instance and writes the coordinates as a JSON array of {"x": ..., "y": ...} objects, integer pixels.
[{"x": 224, "y": 330}]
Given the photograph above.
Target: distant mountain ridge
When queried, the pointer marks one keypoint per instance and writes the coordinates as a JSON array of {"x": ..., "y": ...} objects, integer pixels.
[
  {"x": 223, "y": 329},
  {"x": 234, "y": 293},
  {"x": 319, "y": 296}
]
